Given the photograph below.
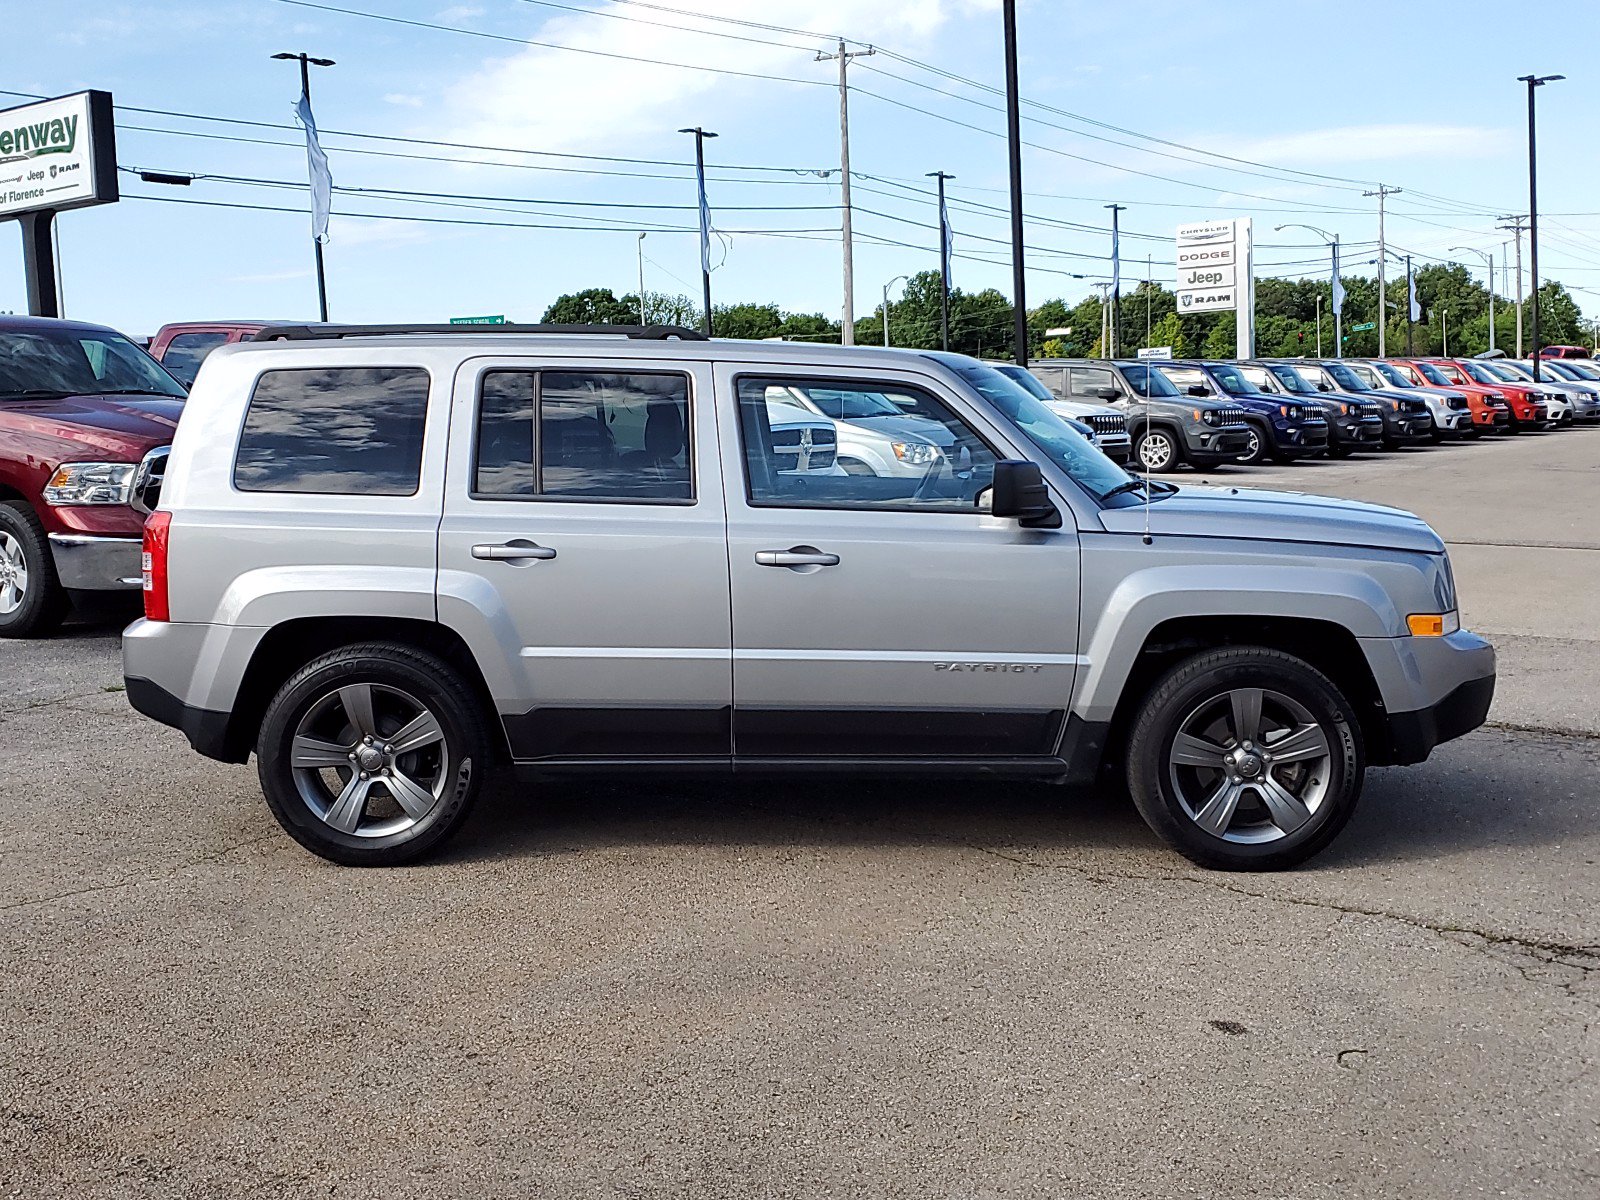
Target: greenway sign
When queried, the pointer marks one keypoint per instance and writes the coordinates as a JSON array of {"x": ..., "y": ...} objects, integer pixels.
[{"x": 57, "y": 154}]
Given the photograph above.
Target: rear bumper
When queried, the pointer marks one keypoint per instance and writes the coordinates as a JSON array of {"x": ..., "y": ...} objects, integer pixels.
[
  {"x": 207, "y": 731},
  {"x": 87, "y": 563}
]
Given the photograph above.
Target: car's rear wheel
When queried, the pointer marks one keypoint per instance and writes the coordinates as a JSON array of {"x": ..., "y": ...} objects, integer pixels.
[
  {"x": 1245, "y": 759},
  {"x": 32, "y": 600},
  {"x": 1157, "y": 451},
  {"x": 372, "y": 755}
]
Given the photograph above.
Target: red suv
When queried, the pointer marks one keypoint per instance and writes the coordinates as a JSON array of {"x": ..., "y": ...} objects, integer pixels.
[
  {"x": 1565, "y": 352},
  {"x": 1491, "y": 413},
  {"x": 1528, "y": 409},
  {"x": 86, "y": 419},
  {"x": 182, "y": 346}
]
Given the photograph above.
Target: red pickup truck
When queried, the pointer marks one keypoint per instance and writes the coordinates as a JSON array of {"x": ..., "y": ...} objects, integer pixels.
[
  {"x": 183, "y": 345},
  {"x": 86, "y": 420}
]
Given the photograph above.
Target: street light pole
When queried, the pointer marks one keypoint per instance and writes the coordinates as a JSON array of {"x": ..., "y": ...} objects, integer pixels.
[
  {"x": 700, "y": 136},
  {"x": 1533, "y": 82},
  {"x": 306, "y": 63},
  {"x": 1319, "y": 324},
  {"x": 1116, "y": 278},
  {"x": 886, "y": 288},
  {"x": 1488, "y": 258},
  {"x": 640, "y": 244},
  {"x": 1334, "y": 287},
  {"x": 1019, "y": 281},
  {"x": 944, "y": 264}
]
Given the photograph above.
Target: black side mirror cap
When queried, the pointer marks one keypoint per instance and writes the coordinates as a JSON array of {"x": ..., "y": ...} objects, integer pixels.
[
  {"x": 1105, "y": 393},
  {"x": 1198, "y": 389},
  {"x": 1019, "y": 492}
]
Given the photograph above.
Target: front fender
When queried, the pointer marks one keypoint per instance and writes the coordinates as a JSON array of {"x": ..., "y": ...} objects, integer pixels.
[{"x": 1146, "y": 598}]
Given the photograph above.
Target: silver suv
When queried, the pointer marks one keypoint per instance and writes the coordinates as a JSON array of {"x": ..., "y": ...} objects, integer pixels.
[{"x": 389, "y": 560}]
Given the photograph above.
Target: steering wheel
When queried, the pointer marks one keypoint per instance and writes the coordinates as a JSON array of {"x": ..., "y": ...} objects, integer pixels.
[{"x": 928, "y": 489}]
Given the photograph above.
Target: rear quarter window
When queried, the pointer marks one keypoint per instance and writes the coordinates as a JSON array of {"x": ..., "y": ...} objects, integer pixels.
[{"x": 334, "y": 431}]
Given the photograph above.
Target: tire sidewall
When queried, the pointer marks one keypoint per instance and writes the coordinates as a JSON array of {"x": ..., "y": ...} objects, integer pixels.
[
  {"x": 1148, "y": 434},
  {"x": 44, "y": 603},
  {"x": 1188, "y": 685},
  {"x": 464, "y": 737}
]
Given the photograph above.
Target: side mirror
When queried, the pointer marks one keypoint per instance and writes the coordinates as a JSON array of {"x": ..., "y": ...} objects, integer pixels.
[
  {"x": 1019, "y": 492},
  {"x": 1322, "y": 387},
  {"x": 1198, "y": 389},
  {"x": 1105, "y": 393}
]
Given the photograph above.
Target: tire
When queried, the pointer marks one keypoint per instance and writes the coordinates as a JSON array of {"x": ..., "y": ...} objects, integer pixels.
[
  {"x": 1204, "y": 698},
  {"x": 1157, "y": 451},
  {"x": 32, "y": 600},
  {"x": 1256, "y": 451},
  {"x": 323, "y": 803}
]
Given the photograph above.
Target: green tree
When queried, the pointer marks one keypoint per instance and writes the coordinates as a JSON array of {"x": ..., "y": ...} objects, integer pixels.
[
  {"x": 1168, "y": 331},
  {"x": 750, "y": 321},
  {"x": 593, "y": 306},
  {"x": 1221, "y": 342},
  {"x": 810, "y": 327},
  {"x": 660, "y": 308}
]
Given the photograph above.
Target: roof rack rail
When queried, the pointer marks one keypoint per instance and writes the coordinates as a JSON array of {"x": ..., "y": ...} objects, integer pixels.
[{"x": 317, "y": 333}]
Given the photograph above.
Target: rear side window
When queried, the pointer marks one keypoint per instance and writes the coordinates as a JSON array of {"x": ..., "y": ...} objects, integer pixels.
[
  {"x": 1086, "y": 381},
  {"x": 335, "y": 431},
  {"x": 584, "y": 435},
  {"x": 186, "y": 351}
]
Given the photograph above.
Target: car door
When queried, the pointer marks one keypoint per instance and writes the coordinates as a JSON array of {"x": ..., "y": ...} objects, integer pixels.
[
  {"x": 582, "y": 551},
  {"x": 890, "y": 617}
]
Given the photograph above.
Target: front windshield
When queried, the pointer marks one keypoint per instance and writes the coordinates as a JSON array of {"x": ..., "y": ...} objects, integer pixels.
[
  {"x": 1432, "y": 374},
  {"x": 1394, "y": 374},
  {"x": 1292, "y": 381},
  {"x": 1583, "y": 370},
  {"x": 1480, "y": 374},
  {"x": 1026, "y": 379},
  {"x": 1346, "y": 378},
  {"x": 1233, "y": 381},
  {"x": 68, "y": 361},
  {"x": 1053, "y": 437},
  {"x": 1504, "y": 373},
  {"x": 1147, "y": 381}
]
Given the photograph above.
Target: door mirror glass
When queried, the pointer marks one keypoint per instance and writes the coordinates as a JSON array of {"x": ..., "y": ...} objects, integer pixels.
[{"x": 1019, "y": 492}]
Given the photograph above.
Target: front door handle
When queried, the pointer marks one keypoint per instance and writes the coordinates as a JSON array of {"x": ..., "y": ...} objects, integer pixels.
[
  {"x": 796, "y": 556},
  {"x": 517, "y": 551}
]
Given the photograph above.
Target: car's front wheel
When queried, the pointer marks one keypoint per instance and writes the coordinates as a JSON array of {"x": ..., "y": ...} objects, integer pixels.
[
  {"x": 1157, "y": 451},
  {"x": 372, "y": 755},
  {"x": 32, "y": 601},
  {"x": 1245, "y": 758},
  {"x": 1256, "y": 447}
]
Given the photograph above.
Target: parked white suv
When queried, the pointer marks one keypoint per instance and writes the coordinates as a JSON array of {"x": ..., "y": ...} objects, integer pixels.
[
  {"x": 1108, "y": 425},
  {"x": 389, "y": 561}
]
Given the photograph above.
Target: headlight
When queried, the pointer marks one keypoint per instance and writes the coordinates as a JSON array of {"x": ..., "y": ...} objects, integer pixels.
[
  {"x": 1210, "y": 416},
  {"x": 916, "y": 454},
  {"x": 91, "y": 483}
]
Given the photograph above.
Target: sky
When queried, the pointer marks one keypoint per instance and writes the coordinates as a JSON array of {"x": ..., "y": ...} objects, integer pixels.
[{"x": 558, "y": 123}]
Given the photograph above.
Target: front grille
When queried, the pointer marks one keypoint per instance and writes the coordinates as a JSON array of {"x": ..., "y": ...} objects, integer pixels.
[
  {"x": 1232, "y": 416},
  {"x": 1367, "y": 411},
  {"x": 1413, "y": 406},
  {"x": 147, "y": 479},
  {"x": 805, "y": 449},
  {"x": 1107, "y": 423}
]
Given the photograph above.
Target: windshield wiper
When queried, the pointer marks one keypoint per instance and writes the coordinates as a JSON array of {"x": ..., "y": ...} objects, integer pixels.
[
  {"x": 140, "y": 392},
  {"x": 34, "y": 393}
]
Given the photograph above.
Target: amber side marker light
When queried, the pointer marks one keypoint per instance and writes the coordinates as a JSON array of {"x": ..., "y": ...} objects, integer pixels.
[{"x": 1426, "y": 624}]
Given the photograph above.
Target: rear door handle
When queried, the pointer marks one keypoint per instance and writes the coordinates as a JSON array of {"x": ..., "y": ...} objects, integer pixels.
[
  {"x": 798, "y": 556},
  {"x": 517, "y": 551}
]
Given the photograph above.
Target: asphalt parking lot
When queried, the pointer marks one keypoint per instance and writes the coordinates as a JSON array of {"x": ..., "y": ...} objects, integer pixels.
[{"x": 822, "y": 989}]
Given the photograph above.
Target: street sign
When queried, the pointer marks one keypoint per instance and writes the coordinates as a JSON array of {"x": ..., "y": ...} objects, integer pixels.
[
  {"x": 1155, "y": 352},
  {"x": 495, "y": 320},
  {"x": 1363, "y": 328},
  {"x": 58, "y": 154}
]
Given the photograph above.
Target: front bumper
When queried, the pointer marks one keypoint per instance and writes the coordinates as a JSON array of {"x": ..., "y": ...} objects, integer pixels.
[
  {"x": 1216, "y": 445},
  {"x": 97, "y": 564},
  {"x": 1299, "y": 441},
  {"x": 1117, "y": 447},
  {"x": 1407, "y": 427},
  {"x": 1413, "y": 735},
  {"x": 1433, "y": 690},
  {"x": 1454, "y": 422}
]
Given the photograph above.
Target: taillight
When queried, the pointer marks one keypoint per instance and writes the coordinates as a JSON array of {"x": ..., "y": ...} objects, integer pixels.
[{"x": 154, "y": 563}]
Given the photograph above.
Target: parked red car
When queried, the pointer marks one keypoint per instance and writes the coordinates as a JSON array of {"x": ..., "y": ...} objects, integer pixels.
[
  {"x": 1565, "y": 352},
  {"x": 86, "y": 419},
  {"x": 1491, "y": 413},
  {"x": 182, "y": 346},
  {"x": 1528, "y": 409}
]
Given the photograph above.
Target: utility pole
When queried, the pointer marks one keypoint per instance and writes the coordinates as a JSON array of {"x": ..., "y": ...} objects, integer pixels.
[
  {"x": 1444, "y": 329},
  {"x": 1019, "y": 275},
  {"x": 1149, "y": 292},
  {"x": 700, "y": 136},
  {"x": 944, "y": 263},
  {"x": 306, "y": 63},
  {"x": 640, "y": 244},
  {"x": 1383, "y": 296},
  {"x": 1534, "y": 82},
  {"x": 1515, "y": 227},
  {"x": 847, "y": 327},
  {"x": 1105, "y": 319},
  {"x": 1116, "y": 277}
]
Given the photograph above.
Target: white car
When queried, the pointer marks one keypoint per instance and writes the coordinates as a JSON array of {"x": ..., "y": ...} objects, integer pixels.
[
  {"x": 1558, "y": 406},
  {"x": 876, "y": 436},
  {"x": 1107, "y": 423},
  {"x": 802, "y": 442}
]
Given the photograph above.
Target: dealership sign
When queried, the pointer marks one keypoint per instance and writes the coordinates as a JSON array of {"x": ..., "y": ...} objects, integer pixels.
[
  {"x": 1215, "y": 274},
  {"x": 57, "y": 154}
]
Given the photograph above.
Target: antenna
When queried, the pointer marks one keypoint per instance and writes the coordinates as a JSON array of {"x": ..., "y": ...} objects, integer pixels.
[{"x": 1147, "y": 485}]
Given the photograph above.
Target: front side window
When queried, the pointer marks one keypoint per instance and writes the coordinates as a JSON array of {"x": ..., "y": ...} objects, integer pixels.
[
  {"x": 352, "y": 431},
  {"x": 187, "y": 351},
  {"x": 923, "y": 457},
  {"x": 1347, "y": 379},
  {"x": 1290, "y": 379},
  {"x": 1392, "y": 375},
  {"x": 1147, "y": 381},
  {"x": 1187, "y": 377},
  {"x": 584, "y": 435},
  {"x": 1432, "y": 374},
  {"x": 1233, "y": 380}
]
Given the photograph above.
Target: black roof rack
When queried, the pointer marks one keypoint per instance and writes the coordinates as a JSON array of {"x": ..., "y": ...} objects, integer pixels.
[{"x": 317, "y": 333}]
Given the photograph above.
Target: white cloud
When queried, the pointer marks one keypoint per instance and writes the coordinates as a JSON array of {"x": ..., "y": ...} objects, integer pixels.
[
  {"x": 404, "y": 99},
  {"x": 459, "y": 12},
  {"x": 556, "y": 99},
  {"x": 345, "y": 232}
]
